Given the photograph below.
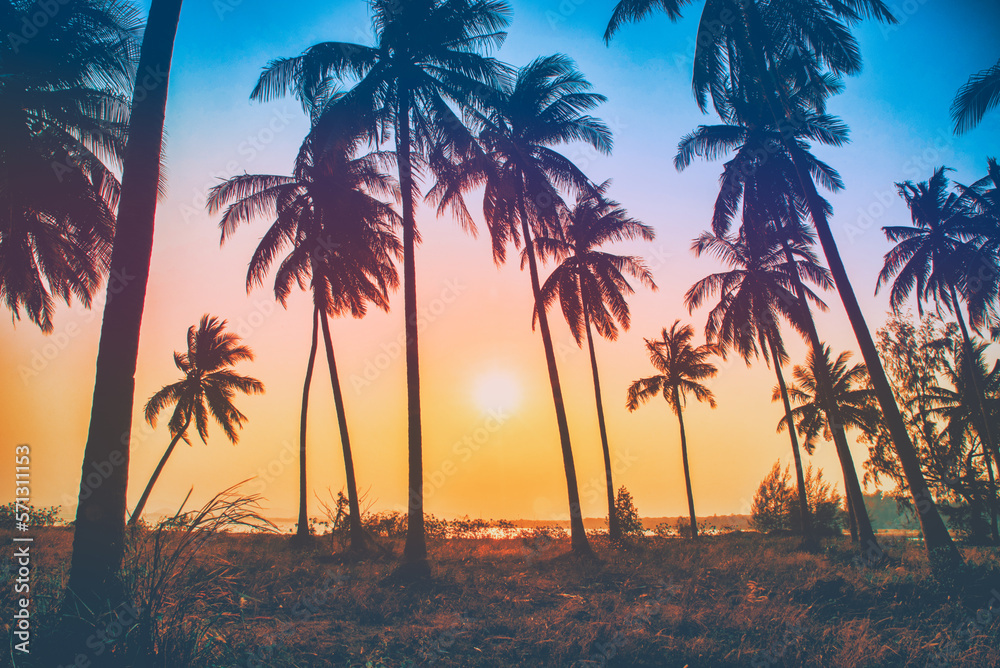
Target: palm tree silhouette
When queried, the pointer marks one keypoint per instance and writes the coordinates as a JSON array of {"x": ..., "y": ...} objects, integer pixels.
[
  {"x": 681, "y": 367},
  {"x": 970, "y": 382},
  {"x": 754, "y": 296},
  {"x": 98, "y": 537},
  {"x": 520, "y": 171},
  {"x": 746, "y": 48},
  {"x": 760, "y": 181},
  {"x": 976, "y": 96},
  {"x": 591, "y": 288},
  {"x": 342, "y": 239},
  {"x": 938, "y": 258},
  {"x": 64, "y": 109},
  {"x": 207, "y": 389},
  {"x": 852, "y": 398},
  {"x": 427, "y": 53}
]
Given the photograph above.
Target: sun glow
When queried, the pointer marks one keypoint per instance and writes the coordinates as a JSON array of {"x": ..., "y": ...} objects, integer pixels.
[{"x": 497, "y": 390}]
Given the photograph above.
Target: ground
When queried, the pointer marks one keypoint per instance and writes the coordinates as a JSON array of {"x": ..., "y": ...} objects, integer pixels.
[{"x": 738, "y": 599}]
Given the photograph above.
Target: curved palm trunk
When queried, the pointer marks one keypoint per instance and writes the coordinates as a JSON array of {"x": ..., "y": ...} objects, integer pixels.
[
  {"x": 98, "y": 539},
  {"x": 940, "y": 547},
  {"x": 156, "y": 474},
  {"x": 852, "y": 517},
  {"x": 970, "y": 368},
  {"x": 800, "y": 479},
  {"x": 415, "y": 549},
  {"x": 302, "y": 530},
  {"x": 614, "y": 526},
  {"x": 578, "y": 536},
  {"x": 687, "y": 470},
  {"x": 354, "y": 522}
]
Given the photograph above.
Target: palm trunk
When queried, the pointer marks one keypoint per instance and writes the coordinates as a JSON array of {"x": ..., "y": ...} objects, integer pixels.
[
  {"x": 415, "y": 549},
  {"x": 940, "y": 547},
  {"x": 156, "y": 474},
  {"x": 302, "y": 530},
  {"x": 98, "y": 539},
  {"x": 970, "y": 368},
  {"x": 614, "y": 526},
  {"x": 800, "y": 479},
  {"x": 357, "y": 531},
  {"x": 578, "y": 536},
  {"x": 687, "y": 470},
  {"x": 860, "y": 523}
]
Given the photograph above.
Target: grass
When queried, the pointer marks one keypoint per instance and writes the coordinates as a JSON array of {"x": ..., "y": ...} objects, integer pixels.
[{"x": 732, "y": 600}]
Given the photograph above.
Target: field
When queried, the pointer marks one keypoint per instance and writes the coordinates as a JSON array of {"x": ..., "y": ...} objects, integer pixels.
[{"x": 738, "y": 599}]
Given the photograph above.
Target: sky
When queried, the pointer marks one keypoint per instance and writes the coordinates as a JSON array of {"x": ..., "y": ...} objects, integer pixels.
[{"x": 491, "y": 446}]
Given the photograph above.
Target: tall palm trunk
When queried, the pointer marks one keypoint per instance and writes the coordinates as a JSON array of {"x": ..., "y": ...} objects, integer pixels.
[
  {"x": 98, "y": 539},
  {"x": 302, "y": 530},
  {"x": 578, "y": 536},
  {"x": 354, "y": 521},
  {"x": 859, "y": 521},
  {"x": 970, "y": 368},
  {"x": 415, "y": 549},
  {"x": 940, "y": 547},
  {"x": 800, "y": 479},
  {"x": 614, "y": 526},
  {"x": 156, "y": 473},
  {"x": 687, "y": 470}
]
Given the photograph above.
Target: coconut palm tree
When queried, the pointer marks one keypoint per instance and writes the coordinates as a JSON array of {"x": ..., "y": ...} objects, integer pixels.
[
  {"x": 976, "y": 96},
  {"x": 938, "y": 258},
  {"x": 760, "y": 184},
  {"x": 681, "y": 366},
  {"x": 98, "y": 537},
  {"x": 64, "y": 101},
  {"x": 207, "y": 388},
  {"x": 746, "y": 47},
  {"x": 754, "y": 296},
  {"x": 591, "y": 288},
  {"x": 850, "y": 394},
  {"x": 341, "y": 238},
  {"x": 427, "y": 54},
  {"x": 515, "y": 162}
]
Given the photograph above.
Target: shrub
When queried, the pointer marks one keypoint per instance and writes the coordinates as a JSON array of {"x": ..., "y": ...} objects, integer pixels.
[
  {"x": 628, "y": 515},
  {"x": 776, "y": 507},
  {"x": 37, "y": 517}
]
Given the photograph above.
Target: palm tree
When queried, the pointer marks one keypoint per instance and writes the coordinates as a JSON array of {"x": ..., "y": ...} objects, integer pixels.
[
  {"x": 64, "y": 96},
  {"x": 754, "y": 295},
  {"x": 854, "y": 409},
  {"x": 98, "y": 538},
  {"x": 515, "y": 162},
  {"x": 760, "y": 181},
  {"x": 976, "y": 96},
  {"x": 746, "y": 47},
  {"x": 938, "y": 258},
  {"x": 591, "y": 288},
  {"x": 427, "y": 53},
  {"x": 207, "y": 388},
  {"x": 681, "y": 366},
  {"x": 341, "y": 237}
]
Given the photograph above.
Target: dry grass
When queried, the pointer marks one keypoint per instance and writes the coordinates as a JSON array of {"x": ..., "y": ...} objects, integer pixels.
[{"x": 732, "y": 600}]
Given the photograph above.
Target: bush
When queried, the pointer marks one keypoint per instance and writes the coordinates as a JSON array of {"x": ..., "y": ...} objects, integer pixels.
[
  {"x": 628, "y": 515},
  {"x": 776, "y": 506},
  {"x": 37, "y": 517}
]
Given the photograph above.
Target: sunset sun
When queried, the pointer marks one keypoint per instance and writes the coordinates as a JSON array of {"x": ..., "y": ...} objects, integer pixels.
[{"x": 497, "y": 390}]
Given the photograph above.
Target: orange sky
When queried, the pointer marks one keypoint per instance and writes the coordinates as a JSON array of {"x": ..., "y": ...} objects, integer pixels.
[{"x": 478, "y": 317}]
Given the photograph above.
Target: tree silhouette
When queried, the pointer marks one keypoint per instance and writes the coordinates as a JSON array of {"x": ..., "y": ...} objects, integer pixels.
[
  {"x": 976, "y": 96},
  {"x": 341, "y": 238},
  {"x": 427, "y": 54},
  {"x": 98, "y": 537},
  {"x": 591, "y": 288},
  {"x": 207, "y": 388},
  {"x": 681, "y": 367},
  {"x": 64, "y": 108}
]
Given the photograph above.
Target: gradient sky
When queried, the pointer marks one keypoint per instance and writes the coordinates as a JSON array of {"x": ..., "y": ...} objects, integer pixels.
[{"x": 502, "y": 463}]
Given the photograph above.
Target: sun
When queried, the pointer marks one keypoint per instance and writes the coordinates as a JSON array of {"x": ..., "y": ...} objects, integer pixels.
[{"x": 497, "y": 390}]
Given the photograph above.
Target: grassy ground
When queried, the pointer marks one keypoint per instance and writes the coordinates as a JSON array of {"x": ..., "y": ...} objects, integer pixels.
[{"x": 731, "y": 600}]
